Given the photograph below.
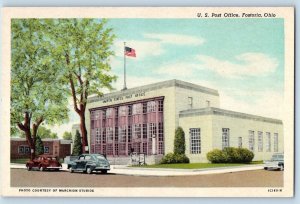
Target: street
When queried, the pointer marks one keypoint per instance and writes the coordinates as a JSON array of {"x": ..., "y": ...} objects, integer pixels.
[{"x": 254, "y": 178}]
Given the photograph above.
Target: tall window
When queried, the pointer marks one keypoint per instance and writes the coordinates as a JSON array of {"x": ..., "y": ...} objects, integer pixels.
[
  {"x": 275, "y": 142},
  {"x": 251, "y": 140},
  {"x": 110, "y": 134},
  {"x": 225, "y": 137},
  {"x": 151, "y": 105},
  {"x": 122, "y": 110},
  {"x": 160, "y": 106},
  {"x": 98, "y": 139},
  {"x": 137, "y": 131},
  {"x": 240, "y": 142},
  {"x": 268, "y": 143},
  {"x": 190, "y": 101},
  {"x": 109, "y": 112},
  {"x": 195, "y": 141},
  {"x": 122, "y": 134},
  {"x": 152, "y": 130},
  {"x": 137, "y": 109},
  {"x": 260, "y": 141}
]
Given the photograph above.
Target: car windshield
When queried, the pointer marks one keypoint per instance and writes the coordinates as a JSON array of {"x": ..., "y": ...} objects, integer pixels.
[
  {"x": 100, "y": 157},
  {"x": 277, "y": 157}
]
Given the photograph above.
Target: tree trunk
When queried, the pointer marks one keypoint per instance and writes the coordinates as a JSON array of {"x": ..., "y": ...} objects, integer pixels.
[
  {"x": 83, "y": 132},
  {"x": 30, "y": 143}
]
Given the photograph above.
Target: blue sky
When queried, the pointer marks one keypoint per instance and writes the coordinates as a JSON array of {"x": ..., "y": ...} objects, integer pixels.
[{"x": 242, "y": 58}]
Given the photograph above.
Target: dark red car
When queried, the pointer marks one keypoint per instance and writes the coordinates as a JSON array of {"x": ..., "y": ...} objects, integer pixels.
[{"x": 44, "y": 162}]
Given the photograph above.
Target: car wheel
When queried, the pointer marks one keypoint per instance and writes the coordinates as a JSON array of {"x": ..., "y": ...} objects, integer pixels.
[
  {"x": 281, "y": 168},
  {"x": 265, "y": 168},
  {"x": 104, "y": 171},
  {"x": 71, "y": 170},
  {"x": 89, "y": 170},
  {"x": 41, "y": 168},
  {"x": 28, "y": 168}
]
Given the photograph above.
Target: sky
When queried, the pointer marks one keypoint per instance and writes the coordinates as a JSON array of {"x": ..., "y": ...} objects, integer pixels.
[{"x": 242, "y": 58}]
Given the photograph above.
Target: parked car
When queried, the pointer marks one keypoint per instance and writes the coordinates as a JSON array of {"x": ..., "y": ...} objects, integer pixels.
[
  {"x": 88, "y": 163},
  {"x": 276, "y": 162},
  {"x": 44, "y": 162}
]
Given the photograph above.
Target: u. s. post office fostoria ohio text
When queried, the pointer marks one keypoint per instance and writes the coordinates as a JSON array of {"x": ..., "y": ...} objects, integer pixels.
[{"x": 144, "y": 119}]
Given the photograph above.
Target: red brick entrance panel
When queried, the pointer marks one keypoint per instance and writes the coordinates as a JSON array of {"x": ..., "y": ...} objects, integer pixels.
[{"x": 121, "y": 129}]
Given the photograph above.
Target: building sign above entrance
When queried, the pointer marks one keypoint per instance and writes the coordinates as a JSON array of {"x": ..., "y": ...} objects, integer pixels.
[{"x": 120, "y": 98}]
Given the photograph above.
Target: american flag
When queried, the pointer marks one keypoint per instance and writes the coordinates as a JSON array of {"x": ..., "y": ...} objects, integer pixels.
[{"x": 129, "y": 52}]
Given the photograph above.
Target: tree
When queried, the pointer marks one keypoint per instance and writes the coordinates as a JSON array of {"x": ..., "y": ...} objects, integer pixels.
[
  {"x": 77, "y": 148},
  {"x": 67, "y": 136},
  {"x": 37, "y": 96},
  {"x": 39, "y": 147},
  {"x": 83, "y": 48},
  {"x": 179, "y": 141},
  {"x": 43, "y": 133}
]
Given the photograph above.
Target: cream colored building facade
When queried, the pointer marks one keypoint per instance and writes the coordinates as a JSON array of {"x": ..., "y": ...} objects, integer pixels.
[{"x": 144, "y": 120}]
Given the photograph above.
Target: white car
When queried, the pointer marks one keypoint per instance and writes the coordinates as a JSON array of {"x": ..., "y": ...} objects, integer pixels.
[{"x": 276, "y": 162}]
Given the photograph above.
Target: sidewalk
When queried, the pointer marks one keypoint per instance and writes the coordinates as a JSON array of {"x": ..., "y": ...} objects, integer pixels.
[{"x": 136, "y": 171}]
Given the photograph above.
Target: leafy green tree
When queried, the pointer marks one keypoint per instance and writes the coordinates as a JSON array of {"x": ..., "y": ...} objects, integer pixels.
[
  {"x": 43, "y": 133},
  {"x": 39, "y": 147},
  {"x": 179, "y": 141},
  {"x": 77, "y": 148},
  {"x": 37, "y": 96},
  {"x": 67, "y": 136},
  {"x": 83, "y": 48}
]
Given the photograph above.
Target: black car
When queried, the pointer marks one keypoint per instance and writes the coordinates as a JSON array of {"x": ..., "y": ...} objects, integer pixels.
[{"x": 88, "y": 163}]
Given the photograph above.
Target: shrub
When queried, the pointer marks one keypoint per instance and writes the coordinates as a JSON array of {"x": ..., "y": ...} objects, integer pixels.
[
  {"x": 77, "y": 148},
  {"x": 179, "y": 141},
  {"x": 230, "y": 155},
  {"x": 172, "y": 158},
  {"x": 215, "y": 156}
]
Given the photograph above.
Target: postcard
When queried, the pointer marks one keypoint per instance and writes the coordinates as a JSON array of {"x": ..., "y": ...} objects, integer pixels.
[{"x": 148, "y": 102}]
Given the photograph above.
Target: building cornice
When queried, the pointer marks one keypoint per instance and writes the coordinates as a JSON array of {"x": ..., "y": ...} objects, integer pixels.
[
  {"x": 156, "y": 86},
  {"x": 228, "y": 113}
]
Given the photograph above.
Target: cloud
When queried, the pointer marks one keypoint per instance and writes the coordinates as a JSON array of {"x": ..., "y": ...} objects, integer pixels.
[
  {"x": 175, "y": 39},
  {"x": 247, "y": 64},
  {"x": 178, "y": 69},
  {"x": 266, "y": 103}
]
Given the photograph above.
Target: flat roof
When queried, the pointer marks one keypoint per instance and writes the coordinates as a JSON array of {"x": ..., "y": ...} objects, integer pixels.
[
  {"x": 62, "y": 141},
  {"x": 156, "y": 86},
  {"x": 228, "y": 113}
]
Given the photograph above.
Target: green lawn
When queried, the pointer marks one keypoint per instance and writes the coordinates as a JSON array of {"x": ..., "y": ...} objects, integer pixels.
[
  {"x": 19, "y": 161},
  {"x": 195, "y": 165}
]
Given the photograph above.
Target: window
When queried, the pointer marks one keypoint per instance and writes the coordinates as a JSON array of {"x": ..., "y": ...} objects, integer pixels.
[
  {"x": 109, "y": 134},
  {"x": 268, "y": 143},
  {"x": 152, "y": 130},
  {"x": 260, "y": 141},
  {"x": 21, "y": 149},
  {"x": 122, "y": 110},
  {"x": 151, "y": 106},
  {"x": 98, "y": 136},
  {"x": 275, "y": 142},
  {"x": 225, "y": 137},
  {"x": 129, "y": 110},
  {"x": 46, "y": 150},
  {"x": 195, "y": 141},
  {"x": 109, "y": 112},
  {"x": 27, "y": 150},
  {"x": 251, "y": 140},
  {"x": 137, "y": 109},
  {"x": 137, "y": 131},
  {"x": 207, "y": 103},
  {"x": 240, "y": 142},
  {"x": 190, "y": 101},
  {"x": 144, "y": 130},
  {"x": 122, "y": 134},
  {"x": 160, "y": 106}
]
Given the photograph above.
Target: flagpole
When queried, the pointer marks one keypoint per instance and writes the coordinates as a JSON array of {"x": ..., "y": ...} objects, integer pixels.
[{"x": 124, "y": 88}]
